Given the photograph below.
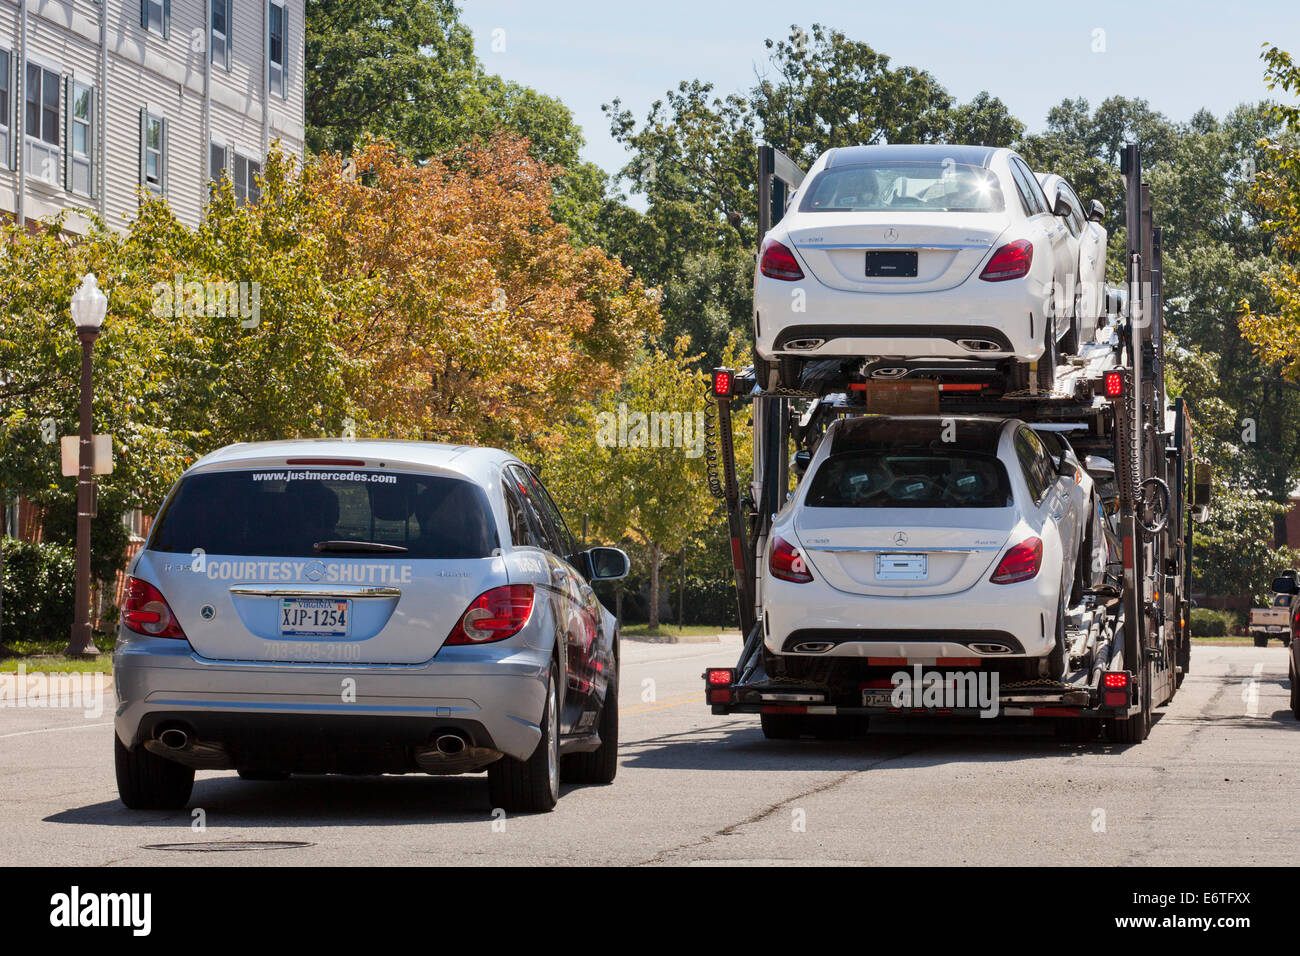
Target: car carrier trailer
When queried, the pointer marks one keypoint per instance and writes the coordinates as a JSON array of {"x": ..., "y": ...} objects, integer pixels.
[{"x": 1128, "y": 640}]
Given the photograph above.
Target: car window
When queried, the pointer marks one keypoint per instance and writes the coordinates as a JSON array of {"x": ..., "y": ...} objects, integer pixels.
[
  {"x": 539, "y": 532},
  {"x": 553, "y": 515},
  {"x": 1075, "y": 220},
  {"x": 283, "y": 513},
  {"x": 1029, "y": 452},
  {"x": 937, "y": 478},
  {"x": 525, "y": 528},
  {"x": 1033, "y": 192},
  {"x": 920, "y": 187}
]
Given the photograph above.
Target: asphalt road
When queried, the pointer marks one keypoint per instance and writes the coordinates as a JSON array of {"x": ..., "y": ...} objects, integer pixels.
[{"x": 1218, "y": 782}]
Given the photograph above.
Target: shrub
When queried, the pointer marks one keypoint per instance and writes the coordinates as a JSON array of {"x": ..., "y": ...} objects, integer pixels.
[
  {"x": 39, "y": 591},
  {"x": 1210, "y": 623}
]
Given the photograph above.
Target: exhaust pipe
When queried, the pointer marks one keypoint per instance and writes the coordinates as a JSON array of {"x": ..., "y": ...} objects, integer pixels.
[
  {"x": 173, "y": 738},
  {"x": 449, "y": 745}
]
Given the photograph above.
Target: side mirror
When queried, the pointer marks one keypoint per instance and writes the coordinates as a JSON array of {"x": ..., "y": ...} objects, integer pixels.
[
  {"x": 799, "y": 463},
  {"x": 1201, "y": 515},
  {"x": 1096, "y": 211},
  {"x": 608, "y": 564},
  {"x": 1286, "y": 584},
  {"x": 1202, "y": 485},
  {"x": 1101, "y": 469},
  {"x": 1062, "y": 208},
  {"x": 1064, "y": 467}
]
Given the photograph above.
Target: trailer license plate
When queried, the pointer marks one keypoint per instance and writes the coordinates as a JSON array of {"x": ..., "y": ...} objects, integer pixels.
[
  {"x": 877, "y": 698},
  {"x": 314, "y": 617},
  {"x": 902, "y": 567}
]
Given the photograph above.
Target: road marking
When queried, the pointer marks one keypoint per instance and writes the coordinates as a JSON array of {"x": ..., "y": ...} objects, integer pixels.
[
  {"x": 51, "y": 730},
  {"x": 659, "y": 705}
]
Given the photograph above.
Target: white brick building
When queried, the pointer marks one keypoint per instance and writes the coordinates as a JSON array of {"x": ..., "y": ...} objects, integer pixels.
[{"x": 101, "y": 97}]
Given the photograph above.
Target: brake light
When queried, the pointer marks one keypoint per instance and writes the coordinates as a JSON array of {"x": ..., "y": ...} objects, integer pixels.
[
  {"x": 1115, "y": 680},
  {"x": 1115, "y": 689},
  {"x": 722, "y": 379},
  {"x": 787, "y": 563},
  {"x": 778, "y": 262},
  {"x": 494, "y": 615},
  {"x": 1114, "y": 384},
  {"x": 1010, "y": 262},
  {"x": 1020, "y": 563},
  {"x": 146, "y": 611},
  {"x": 719, "y": 676}
]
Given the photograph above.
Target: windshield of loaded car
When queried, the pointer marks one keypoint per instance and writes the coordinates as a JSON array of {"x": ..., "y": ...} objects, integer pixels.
[{"x": 919, "y": 187}]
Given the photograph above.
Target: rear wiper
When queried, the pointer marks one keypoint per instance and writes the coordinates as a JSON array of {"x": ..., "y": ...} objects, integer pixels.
[{"x": 368, "y": 546}]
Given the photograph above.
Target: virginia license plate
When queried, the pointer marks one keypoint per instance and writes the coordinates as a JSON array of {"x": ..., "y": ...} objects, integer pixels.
[{"x": 314, "y": 617}]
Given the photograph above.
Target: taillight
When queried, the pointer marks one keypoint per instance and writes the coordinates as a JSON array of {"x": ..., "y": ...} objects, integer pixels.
[
  {"x": 1114, "y": 384},
  {"x": 1115, "y": 689},
  {"x": 778, "y": 262},
  {"x": 787, "y": 563},
  {"x": 1010, "y": 262},
  {"x": 145, "y": 611},
  {"x": 494, "y": 615},
  {"x": 1020, "y": 563}
]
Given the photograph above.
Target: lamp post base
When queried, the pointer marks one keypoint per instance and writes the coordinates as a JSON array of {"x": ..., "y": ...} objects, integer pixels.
[{"x": 80, "y": 644}]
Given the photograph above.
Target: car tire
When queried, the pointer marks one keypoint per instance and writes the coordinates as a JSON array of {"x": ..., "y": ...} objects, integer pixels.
[
  {"x": 789, "y": 373},
  {"x": 532, "y": 785},
  {"x": 146, "y": 781},
  {"x": 1261, "y": 641},
  {"x": 1295, "y": 692},
  {"x": 1082, "y": 568},
  {"x": 1070, "y": 343},
  {"x": 1056, "y": 657},
  {"x": 599, "y": 765},
  {"x": 1047, "y": 363}
]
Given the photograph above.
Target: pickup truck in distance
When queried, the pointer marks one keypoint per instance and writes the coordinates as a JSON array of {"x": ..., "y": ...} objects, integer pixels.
[{"x": 1278, "y": 620}]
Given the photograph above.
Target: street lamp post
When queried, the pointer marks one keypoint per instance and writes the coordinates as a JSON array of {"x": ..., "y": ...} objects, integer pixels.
[{"x": 88, "y": 307}]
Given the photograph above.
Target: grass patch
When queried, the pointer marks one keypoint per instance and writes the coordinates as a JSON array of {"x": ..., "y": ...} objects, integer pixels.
[
  {"x": 48, "y": 656},
  {"x": 673, "y": 630}
]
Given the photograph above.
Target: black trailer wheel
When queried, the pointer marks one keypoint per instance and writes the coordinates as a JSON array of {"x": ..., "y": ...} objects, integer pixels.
[
  {"x": 782, "y": 726},
  {"x": 1261, "y": 640},
  {"x": 1295, "y": 692}
]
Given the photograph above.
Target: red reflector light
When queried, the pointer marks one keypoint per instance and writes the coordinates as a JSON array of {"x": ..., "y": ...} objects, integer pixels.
[
  {"x": 494, "y": 615},
  {"x": 722, "y": 696},
  {"x": 1115, "y": 698},
  {"x": 722, "y": 381},
  {"x": 1020, "y": 563},
  {"x": 719, "y": 676},
  {"x": 778, "y": 262},
  {"x": 787, "y": 563},
  {"x": 1114, "y": 384},
  {"x": 1011, "y": 261},
  {"x": 1115, "y": 680},
  {"x": 145, "y": 611}
]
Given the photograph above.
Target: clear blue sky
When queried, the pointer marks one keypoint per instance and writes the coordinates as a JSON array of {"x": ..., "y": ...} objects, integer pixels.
[{"x": 1180, "y": 56}]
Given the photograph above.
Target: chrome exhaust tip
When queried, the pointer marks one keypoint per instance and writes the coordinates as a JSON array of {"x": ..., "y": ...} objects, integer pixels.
[
  {"x": 449, "y": 745},
  {"x": 889, "y": 372},
  {"x": 803, "y": 345},
  {"x": 991, "y": 648},
  {"x": 813, "y": 647},
  {"x": 173, "y": 738},
  {"x": 979, "y": 345}
]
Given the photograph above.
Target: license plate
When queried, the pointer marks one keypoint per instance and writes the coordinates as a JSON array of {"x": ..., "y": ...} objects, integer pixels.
[
  {"x": 314, "y": 617},
  {"x": 902, "y": 567},
  {"x": 890, "y": 264},
  {"x": 877, "y": 698}
]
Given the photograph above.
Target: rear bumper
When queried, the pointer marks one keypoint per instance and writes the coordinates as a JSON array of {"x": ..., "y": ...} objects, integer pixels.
[
  {"x": 903, "y": 325},
  {"x": 314, "y": 716}
]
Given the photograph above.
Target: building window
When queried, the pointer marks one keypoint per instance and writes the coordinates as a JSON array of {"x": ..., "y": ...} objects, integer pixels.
[
  {"x": 42, "y": 124},
  {"x": 156, "y": 16},
  {"x": 6, "y": 106},
  {"x": 153, "y": 152},
  {"x": 216, "y": 163},
  {"x": 80, "y": 142},
  {"x": 247, "y": 188},
  {"x": 277, "y": 27},
  {"x": 221, "y": 33}
]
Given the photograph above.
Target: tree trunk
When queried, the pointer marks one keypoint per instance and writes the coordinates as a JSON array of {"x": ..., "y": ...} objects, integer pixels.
[
  {"x": 681, "y": 593},
  {"x": 654, "y": 587}
]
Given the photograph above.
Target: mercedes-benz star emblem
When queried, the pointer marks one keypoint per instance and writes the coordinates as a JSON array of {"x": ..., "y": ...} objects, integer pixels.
[
  {"x": 891, "y": 234},
  {"x": 315, "y": 571},
  {"x": 900, "y": 539}
]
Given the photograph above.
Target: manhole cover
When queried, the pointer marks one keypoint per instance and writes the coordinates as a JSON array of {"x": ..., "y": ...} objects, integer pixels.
[{"x": 226, "y": 846}]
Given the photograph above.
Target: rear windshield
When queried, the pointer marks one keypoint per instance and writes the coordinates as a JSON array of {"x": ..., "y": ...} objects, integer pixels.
[
  {"x": 882, "y": 479},
  {"x": 919, "y": 187},
  {"x": 285, "y": 514}
]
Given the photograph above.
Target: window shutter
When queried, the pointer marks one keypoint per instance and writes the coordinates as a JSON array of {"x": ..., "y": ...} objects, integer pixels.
[
  {"x": 93, "y": 143},
  {"x": 167, "y": 19},
  {"x": 144, "y": 120},
  {"x": 144, "y": 14},
  {"x": 16, "y": 129},
  {"x": 67, "y": 132},
  {"x": 162, "y": 156}
]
